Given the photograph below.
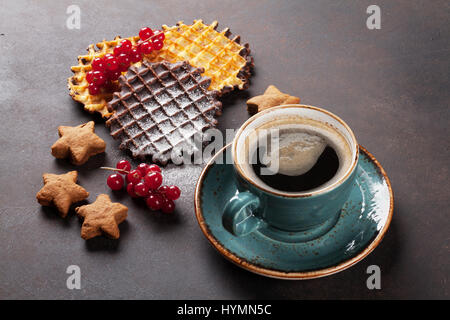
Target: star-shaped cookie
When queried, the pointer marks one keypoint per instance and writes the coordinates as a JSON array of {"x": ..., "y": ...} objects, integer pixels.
[
  {"x": 61, "y": 190},
  {"x": 102, "y": 217},
  {"x": 272, "y": 97},
  {"x": 78, "y": 143}
]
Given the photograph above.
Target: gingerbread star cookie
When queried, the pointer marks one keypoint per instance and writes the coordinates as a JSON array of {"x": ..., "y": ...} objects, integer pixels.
[
  {"x": 102, "y": 217},
  {"x": 272, "y": 97},
  {"x": 78, "y": 143},
  {"x": 61, "y": 190}
]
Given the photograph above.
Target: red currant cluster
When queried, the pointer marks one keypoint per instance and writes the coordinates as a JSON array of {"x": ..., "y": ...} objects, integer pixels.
[
  {"x": 111, "y": 65},
  {"x": 145, "y": 182}
]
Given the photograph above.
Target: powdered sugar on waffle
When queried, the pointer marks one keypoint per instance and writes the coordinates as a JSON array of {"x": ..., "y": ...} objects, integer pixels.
[{"x": 160, "y": 107}]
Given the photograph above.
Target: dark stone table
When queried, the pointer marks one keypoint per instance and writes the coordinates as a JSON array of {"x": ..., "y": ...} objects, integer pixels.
[{"x": 390, "y": 85}]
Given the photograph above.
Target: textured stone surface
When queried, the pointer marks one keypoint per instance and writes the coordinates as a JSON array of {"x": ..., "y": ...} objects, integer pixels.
[{"x": 390, "y": 85}]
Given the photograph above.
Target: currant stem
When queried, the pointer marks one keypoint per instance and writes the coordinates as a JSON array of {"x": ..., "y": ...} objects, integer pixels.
[{"x": 115, "y": 169}]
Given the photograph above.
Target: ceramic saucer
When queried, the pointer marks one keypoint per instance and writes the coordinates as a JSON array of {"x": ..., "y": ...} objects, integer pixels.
[{"x": 363, "y": 222}]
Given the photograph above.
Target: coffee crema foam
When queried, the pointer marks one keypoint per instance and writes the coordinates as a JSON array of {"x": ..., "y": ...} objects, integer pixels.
[{"x": 301, "y": 142}]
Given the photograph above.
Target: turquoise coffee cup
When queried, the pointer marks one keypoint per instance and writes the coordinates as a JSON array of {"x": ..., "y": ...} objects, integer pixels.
[{"x": 287, "y": 216}]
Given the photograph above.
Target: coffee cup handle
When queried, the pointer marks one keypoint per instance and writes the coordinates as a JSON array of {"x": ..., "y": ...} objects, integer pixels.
[{"x": 238, "y": 215}]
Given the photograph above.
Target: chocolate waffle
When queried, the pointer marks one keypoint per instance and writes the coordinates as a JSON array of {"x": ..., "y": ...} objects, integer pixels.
[
  {"x": 159, "y": 109},
  {"x": 225, "y": 61}
]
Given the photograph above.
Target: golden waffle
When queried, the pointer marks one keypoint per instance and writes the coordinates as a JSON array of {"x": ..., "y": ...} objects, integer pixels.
[
  {"x": 78, "y": 84},
  {"x": 225, "y": 61}
]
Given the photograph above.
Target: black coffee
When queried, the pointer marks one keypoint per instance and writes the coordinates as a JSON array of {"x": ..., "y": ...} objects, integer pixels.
[{"x": 322, "y": 171}]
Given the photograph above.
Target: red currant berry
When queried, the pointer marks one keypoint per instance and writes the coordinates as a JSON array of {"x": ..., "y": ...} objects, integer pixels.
[
  {"x": 154, "y": 201},
  {"x": 115, "y": 181},
  {"x": 153, "y": 167},
  {"x": 93, "y": 89},
  {"x": 100, "y": 78},
  {"x": 96, "y": 77},
  {"x": 135, "y": 55},
  {"x": 126, "y": 46},
  {"x": 118, "y": 50},
  {"x": 168, "y": 206},
  {"x": 173, "y": 192},
  {"x": 98, "y": 64},
  {"x": 157, "y": 44},
  {"x": 90, "y": 76},
  {"x": 130, "y": 190},
  {"x": 153, "y": 180},
  {"x": 145, "y": 33},
  {"x": 106, "y": 56},
  {"x": 111, "y": 64},
  {"x": 146, "y": 47},
  {"x": 163, "y": 190},
  {"x": 124, "y": 62},
  {"x": 113, "y": 76},
  {"x": 142, "y": 168},
  {"x": 159, "y": 35},
  {"x": 123, "y": 165},
  {"x": 141, "y": 189},
  {"x": 134, "y": 176}
]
